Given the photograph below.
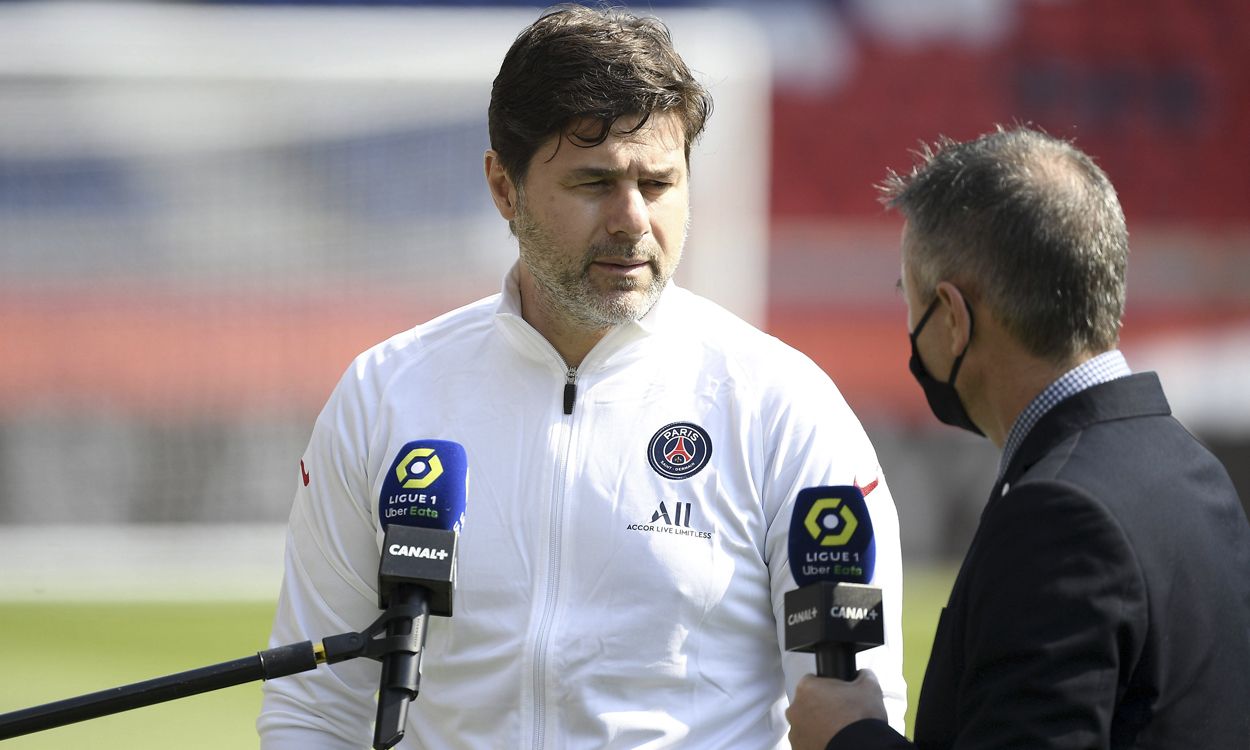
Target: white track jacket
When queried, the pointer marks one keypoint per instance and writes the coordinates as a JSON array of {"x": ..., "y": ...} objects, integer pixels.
[{"x": 599, "y": 603}]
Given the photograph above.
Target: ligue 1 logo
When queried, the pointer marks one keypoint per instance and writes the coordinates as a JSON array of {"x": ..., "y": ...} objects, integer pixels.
[
  {"x": 419, "y": 469},
  {"x": 679, "y": 450},
  {"x": 425, "y": 486},
  {"x": 831, "y": 522},
  {"x": 831, "y": 536}
]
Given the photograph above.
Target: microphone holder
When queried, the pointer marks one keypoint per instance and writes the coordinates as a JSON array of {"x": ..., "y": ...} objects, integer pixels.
[{"x": 374, "y": 642}]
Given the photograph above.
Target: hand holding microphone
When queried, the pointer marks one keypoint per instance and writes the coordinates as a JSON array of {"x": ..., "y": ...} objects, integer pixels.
[
  {"x": 824, "y": 707},
  {"x": 832, "y": 555}
]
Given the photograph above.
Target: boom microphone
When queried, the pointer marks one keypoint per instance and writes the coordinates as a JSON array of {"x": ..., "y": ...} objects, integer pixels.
[
  {"x": 422, "y": 510},
  {"x": 421, "y": 507},
  {"x": 832, "y": 556}
]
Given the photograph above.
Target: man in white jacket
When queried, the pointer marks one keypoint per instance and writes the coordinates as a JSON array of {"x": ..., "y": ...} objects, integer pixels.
[{"x": 635, "y": 452}]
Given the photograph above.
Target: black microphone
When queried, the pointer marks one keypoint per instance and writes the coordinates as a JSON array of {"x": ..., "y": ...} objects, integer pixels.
[
  {"x": 832, "y": 556},
  {"x": 421, "y": 506}
]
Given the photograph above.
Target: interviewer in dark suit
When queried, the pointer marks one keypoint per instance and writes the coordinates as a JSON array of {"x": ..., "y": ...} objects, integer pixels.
[{"x": 1105, "y": 599}]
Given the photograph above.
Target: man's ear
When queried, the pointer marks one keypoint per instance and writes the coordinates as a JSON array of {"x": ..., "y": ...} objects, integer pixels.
[
  {"x": 954, "y": 316},
  {"x": 502, "y": 191}
]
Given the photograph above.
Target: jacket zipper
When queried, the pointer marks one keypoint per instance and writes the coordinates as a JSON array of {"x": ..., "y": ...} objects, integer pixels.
[
  {"x": 553, "y": 567},
  {"x": 570, "y": 390}
]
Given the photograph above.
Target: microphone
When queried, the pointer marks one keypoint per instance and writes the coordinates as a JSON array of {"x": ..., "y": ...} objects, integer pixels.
[
  {"x": 421, "y": 507},
  {"x": 832, "y": 555}
]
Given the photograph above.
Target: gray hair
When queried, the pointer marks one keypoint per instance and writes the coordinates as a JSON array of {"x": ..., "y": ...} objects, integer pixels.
[{"x": 1028, "y": 223}]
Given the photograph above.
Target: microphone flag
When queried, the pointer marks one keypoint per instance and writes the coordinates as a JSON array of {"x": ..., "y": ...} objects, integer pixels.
[
  {"x": 832, "y": 556},
  {"x": 831, "y": 536},
  {"x": 426, "y": 486},
  {"x": 421, "y": 508}
]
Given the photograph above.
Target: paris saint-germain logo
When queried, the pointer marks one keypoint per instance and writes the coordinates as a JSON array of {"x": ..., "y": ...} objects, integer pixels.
[{"x": 679, "y": 450}]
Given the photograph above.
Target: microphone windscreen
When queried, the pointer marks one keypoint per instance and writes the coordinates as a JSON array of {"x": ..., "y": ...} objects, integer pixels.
[
  {"x": 426, "y": 486},
  {"x": 831, "y": 536}
]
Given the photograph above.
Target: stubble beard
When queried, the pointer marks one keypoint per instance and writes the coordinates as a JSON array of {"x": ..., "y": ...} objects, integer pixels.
[{"x": 569, "y": 290}]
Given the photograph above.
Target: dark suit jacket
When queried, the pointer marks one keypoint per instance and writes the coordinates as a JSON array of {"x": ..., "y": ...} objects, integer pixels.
[{"x": 1105, "y": 599}]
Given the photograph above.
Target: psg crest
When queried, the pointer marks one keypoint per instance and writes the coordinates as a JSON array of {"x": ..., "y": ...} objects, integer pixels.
[{"x": 679, "y": 450}]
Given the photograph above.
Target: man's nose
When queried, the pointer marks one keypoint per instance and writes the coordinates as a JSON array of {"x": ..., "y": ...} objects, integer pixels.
[{"x": 628, "y": 213}]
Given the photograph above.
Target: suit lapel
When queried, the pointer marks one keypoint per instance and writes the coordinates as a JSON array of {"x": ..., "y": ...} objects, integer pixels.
[{"x": 1137, "y": 395}]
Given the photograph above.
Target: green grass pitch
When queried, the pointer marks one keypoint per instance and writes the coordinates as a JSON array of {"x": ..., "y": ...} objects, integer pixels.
[{"x": 49, "y": 652}]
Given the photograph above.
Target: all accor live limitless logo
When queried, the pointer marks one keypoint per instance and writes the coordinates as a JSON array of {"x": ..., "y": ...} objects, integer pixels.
[{"x": 674, "y": 521}]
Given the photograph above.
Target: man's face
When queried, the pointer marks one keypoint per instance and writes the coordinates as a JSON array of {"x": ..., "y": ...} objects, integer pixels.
[
  {"x": 915, "y": 305},
  {"x": 928, "y": 343},
  {"x": 601, "y": 229},
  {"x": 934, "y": 344}
]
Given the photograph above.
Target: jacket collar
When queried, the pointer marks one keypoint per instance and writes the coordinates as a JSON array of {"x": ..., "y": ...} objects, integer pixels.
[
  {"x": 509, "y": 319},
  {"x": 1138, "y": 395}
]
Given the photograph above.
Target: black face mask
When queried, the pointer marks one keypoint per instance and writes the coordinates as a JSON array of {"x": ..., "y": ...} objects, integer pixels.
[{"x": 943, "y": 399}]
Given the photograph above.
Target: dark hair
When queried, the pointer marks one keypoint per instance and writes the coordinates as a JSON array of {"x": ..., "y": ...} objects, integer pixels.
[
  {"x": 576, "y": 63},
  {"x": 1030, "y": 224}
]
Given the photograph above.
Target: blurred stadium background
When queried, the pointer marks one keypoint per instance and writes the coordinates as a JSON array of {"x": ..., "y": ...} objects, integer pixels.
[{"x": 207, "y": 209}]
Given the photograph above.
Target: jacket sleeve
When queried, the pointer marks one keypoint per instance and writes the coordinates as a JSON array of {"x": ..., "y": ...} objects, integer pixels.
[
  {"x": 813, "y": 438},
  {"x": 869, "y": 734},
  {"x": 328, "y": 588},
  {"x": 1056, "y": 605}
]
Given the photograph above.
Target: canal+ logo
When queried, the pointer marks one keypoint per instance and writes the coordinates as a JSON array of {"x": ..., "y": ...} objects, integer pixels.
[{"x": 679, "y": 450}]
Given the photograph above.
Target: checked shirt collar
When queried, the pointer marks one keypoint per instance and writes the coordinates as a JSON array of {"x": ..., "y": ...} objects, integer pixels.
[{"x": 1106, "y": 366}]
